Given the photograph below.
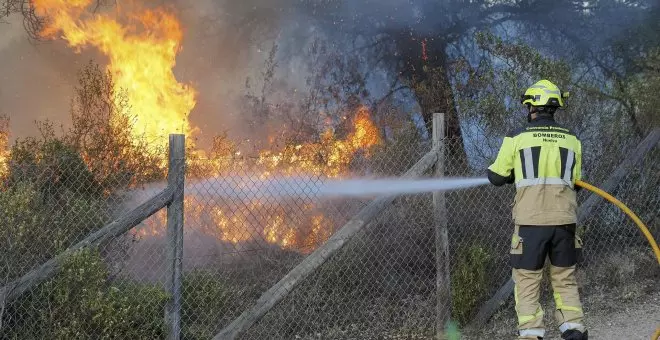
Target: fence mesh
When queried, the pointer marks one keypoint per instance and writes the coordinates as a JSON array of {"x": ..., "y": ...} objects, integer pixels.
[
  {"x": 244, "y": 232},
  {"x": 52, "y": 198}
]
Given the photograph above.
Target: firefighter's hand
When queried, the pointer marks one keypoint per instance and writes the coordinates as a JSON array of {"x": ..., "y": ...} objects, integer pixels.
[
  {"x": 511, "y": 179},
  {"x": 499, "y": 180}
]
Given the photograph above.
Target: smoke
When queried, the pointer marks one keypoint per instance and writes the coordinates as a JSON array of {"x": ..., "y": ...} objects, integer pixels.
[
  {"x": 227, "y": 41},
  {"x": 253, "y": 206},
  {"x": 38, "y": 79}
]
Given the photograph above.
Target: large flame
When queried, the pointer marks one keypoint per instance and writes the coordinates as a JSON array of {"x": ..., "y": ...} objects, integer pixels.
[{"x": 141, "y": 46}]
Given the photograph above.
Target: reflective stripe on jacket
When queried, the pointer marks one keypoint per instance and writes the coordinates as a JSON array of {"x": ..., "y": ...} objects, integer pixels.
[{"x": 544, "y": 160}]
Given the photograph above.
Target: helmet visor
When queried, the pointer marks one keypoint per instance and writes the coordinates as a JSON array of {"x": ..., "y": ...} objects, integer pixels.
[{"x": 526, "y": 97}]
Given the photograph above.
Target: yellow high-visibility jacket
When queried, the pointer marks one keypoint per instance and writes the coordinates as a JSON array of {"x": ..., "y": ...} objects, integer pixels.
[{"x": 544, "y": 160}]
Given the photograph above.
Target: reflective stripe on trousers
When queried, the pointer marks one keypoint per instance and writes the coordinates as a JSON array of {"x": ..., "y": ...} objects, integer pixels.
[
  {"x": 532, "y": 332},
  {"x": 569, "y": 325},
  {"x": 568, "y": 308}
]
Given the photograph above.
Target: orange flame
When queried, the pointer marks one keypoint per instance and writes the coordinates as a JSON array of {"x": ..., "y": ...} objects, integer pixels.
[
  {"x": 299, "y": 225},
  {"x": 329, "y": 157},
  {"x": 4, "y": 144},
  {"x": 274, "y": 224},
  {"x": 141, "y": 46}
]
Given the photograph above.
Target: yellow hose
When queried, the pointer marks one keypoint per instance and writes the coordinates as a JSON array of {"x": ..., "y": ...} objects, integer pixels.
[
  {"x": 634, "y": 217},
  {"x": 628, "y": 212}
]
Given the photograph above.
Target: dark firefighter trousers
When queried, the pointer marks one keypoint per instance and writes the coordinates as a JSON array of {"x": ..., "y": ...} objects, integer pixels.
[{"x": 530, "y": 246}]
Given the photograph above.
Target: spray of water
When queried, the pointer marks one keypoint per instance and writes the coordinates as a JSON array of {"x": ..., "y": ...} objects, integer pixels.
[
  {"x": 238, "y": 193},
  {"x": 371, "y": 187},
  {"x": 255, "y": 188},
  {"x": 245, "y": 187}
]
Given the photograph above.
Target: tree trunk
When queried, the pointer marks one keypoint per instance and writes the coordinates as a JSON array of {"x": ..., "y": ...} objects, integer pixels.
[
  {"x": 443, "y": 102},
  {"x": 427, "y": 75}
]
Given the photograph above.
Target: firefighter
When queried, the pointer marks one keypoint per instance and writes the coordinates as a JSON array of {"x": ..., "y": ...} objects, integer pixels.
[{"x": 543, "y": 160}]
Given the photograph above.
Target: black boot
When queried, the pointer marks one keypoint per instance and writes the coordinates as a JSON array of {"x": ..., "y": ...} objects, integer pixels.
[{"x": 574, "y": 334}]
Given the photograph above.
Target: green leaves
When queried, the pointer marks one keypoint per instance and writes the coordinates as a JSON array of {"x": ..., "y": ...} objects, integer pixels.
[
  {"x": 470, "y": 281},
  {"x": 82, "y": 303}
]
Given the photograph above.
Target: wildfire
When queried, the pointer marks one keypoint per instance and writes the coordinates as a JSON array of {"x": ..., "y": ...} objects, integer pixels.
[
  {"x": 301, "y": 224},
  {"x": 141, "y": 45},
  {"x": 295, "y": 227},
  {"x": 329, "y": 157},
  {"x": 4, "y": 143},
  {"x": 303, "y": 227}
]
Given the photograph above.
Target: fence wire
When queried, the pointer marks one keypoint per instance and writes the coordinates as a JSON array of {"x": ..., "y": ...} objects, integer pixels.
[
  {"x": 51, "y": 198},
  {"x": 243, "y": 233}
]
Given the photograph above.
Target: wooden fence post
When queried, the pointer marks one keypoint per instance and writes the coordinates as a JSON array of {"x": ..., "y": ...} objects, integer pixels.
[
  {"x": 443, "y": 282},
  {"x": 176, "y": 181},
  {"x": 313, "y": 261}
]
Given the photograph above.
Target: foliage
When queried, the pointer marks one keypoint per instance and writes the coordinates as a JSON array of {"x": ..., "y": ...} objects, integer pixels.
[
  {"x": 46, "y": 205},
  {"x": 98, "y": 155},
  {"x": 52, "y": 165},
  {"x": 470, "y": 281},
  {"x": 58, "y": 190},
  {"x": 644, "y": 88},
  {"x": 394, "y": 157},
  {"x": 492, "y": 88},
  {"x": 80, "y": 302},
  {"x": 101, "y": 132},
  {"x": 20, "y": 211},
  {"x": 206, "y": 300}
]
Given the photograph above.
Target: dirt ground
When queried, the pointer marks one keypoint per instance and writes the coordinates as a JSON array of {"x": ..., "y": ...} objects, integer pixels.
[
  {"x": 625, "y": 314},
  {"x": 637, "y": 320}
]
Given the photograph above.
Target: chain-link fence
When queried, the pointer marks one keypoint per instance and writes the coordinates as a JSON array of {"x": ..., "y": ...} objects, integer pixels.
[
  {"x": 52, "y": 198},
  {"x": 245, "y": 228}
]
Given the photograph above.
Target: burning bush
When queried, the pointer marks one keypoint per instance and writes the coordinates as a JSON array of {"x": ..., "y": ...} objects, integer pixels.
[{"x": 101, "y": 132}]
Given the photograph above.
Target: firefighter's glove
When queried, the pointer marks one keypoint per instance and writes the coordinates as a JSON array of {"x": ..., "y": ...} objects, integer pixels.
[{"x": 511, "y": 178}]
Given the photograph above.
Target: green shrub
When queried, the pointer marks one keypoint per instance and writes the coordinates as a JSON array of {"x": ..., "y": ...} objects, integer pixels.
[
  {"x": 396, "y": 156},
  {"x": 207, "y": 300},
  {"x": 35, "y": 228},
  {"x": 470, "y": 281},
  {"x": 53, "y": 166},
  {"x": 80, "y": 303},
  {"x": 49, "y": 201}
]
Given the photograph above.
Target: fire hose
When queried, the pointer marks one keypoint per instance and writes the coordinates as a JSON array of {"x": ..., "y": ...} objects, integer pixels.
[
  {"x": 635, "y": 218},
  {"x": 627, "y": 211}
]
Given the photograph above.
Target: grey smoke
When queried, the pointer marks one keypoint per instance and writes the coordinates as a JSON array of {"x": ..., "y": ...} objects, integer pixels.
[{"x": 225, "y": 41}]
